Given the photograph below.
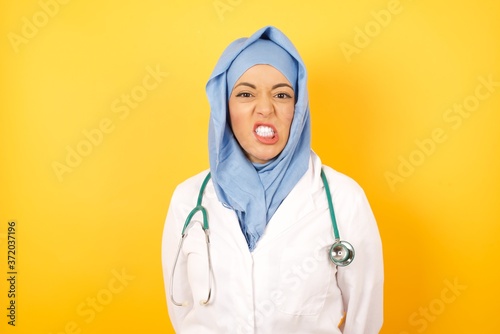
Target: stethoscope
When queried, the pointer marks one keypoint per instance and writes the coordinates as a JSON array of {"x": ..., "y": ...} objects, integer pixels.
[{"x": 341, "y": 253}]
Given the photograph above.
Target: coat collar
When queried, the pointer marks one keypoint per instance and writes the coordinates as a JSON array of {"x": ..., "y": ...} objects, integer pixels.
[{"x": 298, "y": 203}]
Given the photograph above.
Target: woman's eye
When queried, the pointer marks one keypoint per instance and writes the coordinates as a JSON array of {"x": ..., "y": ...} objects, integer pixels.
[
  {"x": 243, "y": 94},
  {"x": 283, "y": 96}
]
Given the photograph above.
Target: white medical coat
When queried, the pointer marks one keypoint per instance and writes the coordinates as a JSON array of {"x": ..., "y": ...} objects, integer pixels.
[{"x": 287, "y": 284}]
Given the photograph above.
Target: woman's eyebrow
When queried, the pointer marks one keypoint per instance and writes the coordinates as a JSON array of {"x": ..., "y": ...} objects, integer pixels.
[
  {"x": 282, "y": 85},
  {"x": 246, "y": 84}
]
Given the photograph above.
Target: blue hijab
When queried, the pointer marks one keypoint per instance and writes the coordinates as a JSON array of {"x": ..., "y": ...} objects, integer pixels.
[{"x": 253, "y": 191}]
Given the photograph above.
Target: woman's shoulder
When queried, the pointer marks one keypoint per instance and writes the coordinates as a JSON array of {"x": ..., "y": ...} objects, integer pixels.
[
  {"x": 190, "y": 186},
  {"x": 338, "y": 180},
  {"x": 341, "y": 180}
]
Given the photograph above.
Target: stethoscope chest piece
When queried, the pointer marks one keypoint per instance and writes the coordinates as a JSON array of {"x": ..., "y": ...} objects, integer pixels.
[{"x": 341, "y": 253}]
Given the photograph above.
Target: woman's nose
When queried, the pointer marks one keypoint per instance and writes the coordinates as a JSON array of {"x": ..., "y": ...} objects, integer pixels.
[{"x": 264, "y": 106}]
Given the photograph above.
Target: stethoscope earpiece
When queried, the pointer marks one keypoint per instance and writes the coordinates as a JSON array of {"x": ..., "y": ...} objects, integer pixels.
[{"x": 341, "y": 253}]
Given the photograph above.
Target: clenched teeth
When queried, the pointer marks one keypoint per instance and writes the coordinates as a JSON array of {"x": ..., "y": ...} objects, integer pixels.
[{"x": 264, "y": 131}]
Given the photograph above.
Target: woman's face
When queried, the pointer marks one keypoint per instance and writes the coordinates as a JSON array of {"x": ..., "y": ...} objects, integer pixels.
[{"x": 261, "y": 108}]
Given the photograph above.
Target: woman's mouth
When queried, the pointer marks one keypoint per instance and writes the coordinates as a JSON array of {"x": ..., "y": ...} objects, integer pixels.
[{"x": 266, "y": 133}]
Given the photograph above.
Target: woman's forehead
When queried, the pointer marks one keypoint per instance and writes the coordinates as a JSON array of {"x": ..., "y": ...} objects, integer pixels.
[{"x": 262, "y": 52}]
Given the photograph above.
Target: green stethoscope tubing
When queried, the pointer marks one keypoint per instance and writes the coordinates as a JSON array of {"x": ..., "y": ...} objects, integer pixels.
[
  {"x": 341, "y": 253},
  {"x": 330, "y": 206},
  {"x": 198, "y": 207}
]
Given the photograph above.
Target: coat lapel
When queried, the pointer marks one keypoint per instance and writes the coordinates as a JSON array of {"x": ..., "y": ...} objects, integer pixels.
[{"x": 298, "y": 204}]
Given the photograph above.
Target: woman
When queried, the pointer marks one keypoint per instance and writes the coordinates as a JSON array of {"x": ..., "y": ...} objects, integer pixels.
[{"x": 267, "y": 269}]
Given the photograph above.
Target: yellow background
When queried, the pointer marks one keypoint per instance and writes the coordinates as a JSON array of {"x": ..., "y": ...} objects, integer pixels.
[{"x": 370, "y": 106}]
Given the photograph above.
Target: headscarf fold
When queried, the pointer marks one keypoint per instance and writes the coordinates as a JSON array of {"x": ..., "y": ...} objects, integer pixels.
[{"x": 255, "y": 192}]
